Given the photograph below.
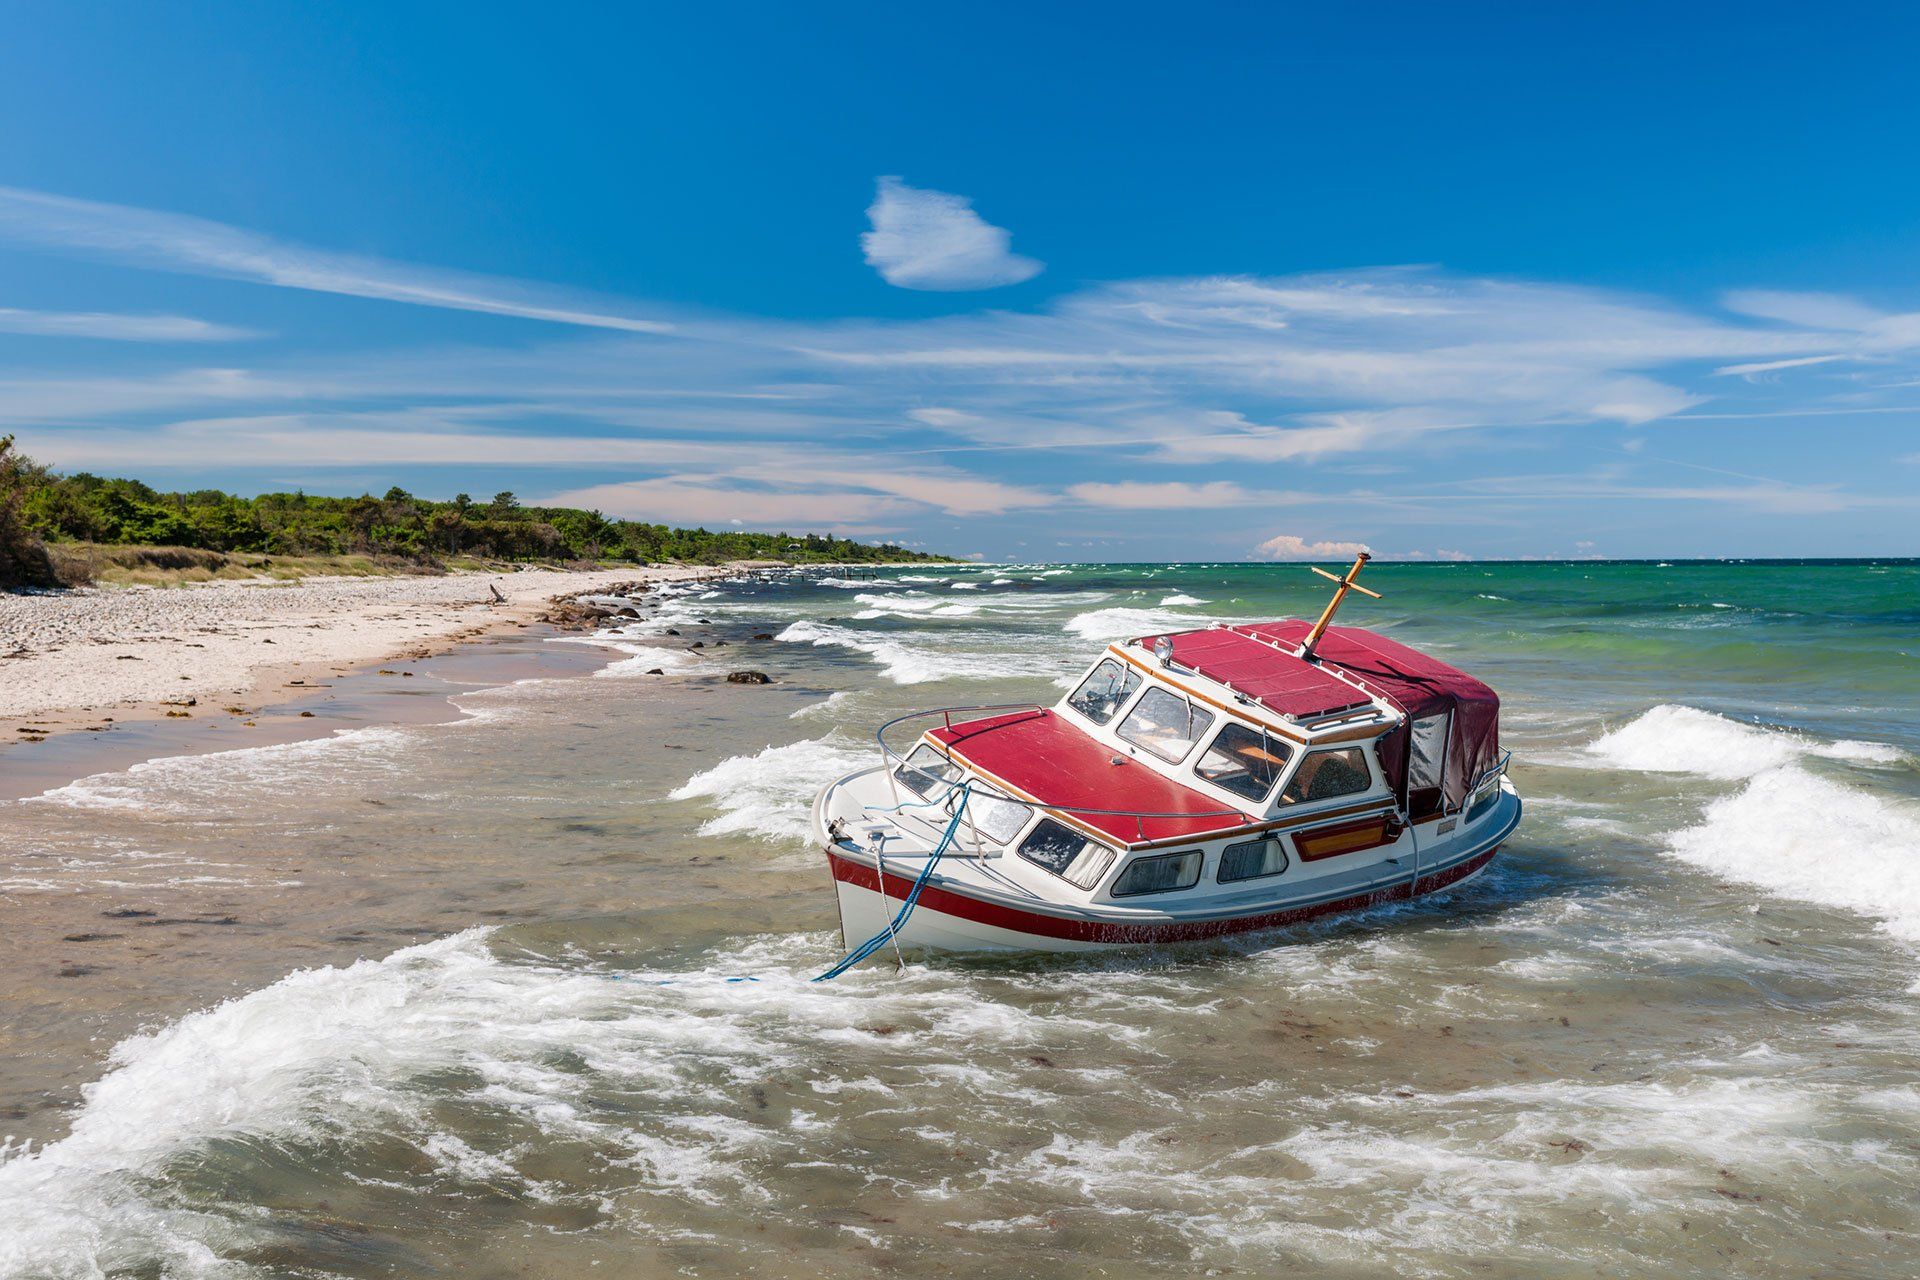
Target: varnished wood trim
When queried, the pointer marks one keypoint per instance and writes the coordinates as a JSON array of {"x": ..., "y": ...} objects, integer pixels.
[
  {"x": 1358, "y": 733},
  {"x": 1341, "y": 837},
  {"x": 1381, "y": 805}
]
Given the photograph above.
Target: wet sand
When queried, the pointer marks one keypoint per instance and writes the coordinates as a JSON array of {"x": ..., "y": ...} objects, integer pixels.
[
  {"x": 200, "y": 905},
  {"x": 94, "y": 659}
]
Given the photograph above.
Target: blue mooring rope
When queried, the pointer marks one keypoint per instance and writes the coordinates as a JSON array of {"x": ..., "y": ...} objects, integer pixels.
[{"x": 881, "y": 938}]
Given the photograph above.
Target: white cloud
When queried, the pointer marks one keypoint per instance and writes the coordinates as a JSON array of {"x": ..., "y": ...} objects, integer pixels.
[
  {"x": 116, "y": 327},
  {"x": 1170, "y": 495},
  {"x": 1180, "y": 394},
  {"x": 932, "y": 240},
  {"x": 196, "y": 246},
  {"x": 1774, "y": 366},
  {"x": 1288, "y": 546},
  {"x": 682, "y": 501}
]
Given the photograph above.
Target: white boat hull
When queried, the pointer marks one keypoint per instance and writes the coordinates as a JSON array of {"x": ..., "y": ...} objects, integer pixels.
[{"x": 947, "y": 917}]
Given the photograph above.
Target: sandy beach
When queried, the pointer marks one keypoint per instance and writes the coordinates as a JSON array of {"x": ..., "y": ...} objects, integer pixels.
[{"x": 75, "y": 658}]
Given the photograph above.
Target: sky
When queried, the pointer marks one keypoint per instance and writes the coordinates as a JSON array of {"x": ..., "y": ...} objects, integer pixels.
[{"x": 1135, "y": 282}]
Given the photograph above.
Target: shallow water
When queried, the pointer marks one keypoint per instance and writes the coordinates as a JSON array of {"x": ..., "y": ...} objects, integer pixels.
[{"x": 525, "y": 992}]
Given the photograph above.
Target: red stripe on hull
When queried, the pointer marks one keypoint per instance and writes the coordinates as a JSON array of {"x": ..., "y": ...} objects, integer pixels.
[{"x": 1001, "y": 916}]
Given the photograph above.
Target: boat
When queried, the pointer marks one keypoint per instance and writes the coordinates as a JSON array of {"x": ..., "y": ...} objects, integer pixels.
[{"x": 1192, "y": 785}]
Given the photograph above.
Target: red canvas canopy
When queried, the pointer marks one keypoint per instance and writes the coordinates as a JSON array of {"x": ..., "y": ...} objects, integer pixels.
[{"x": 1258, "y": 660}]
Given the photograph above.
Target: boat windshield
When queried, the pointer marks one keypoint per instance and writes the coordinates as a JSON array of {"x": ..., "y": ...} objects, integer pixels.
[
  {"x": 1166, "y": 724},
  {"x": 924, "y": 771},
  {"x": 996, "y": 819},
  {"x": 1244, "y": 761},
  {"x": 1104, "y": 691}
]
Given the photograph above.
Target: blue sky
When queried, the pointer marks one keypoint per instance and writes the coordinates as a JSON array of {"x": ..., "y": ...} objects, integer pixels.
[{"x": 1135, "y": 283}]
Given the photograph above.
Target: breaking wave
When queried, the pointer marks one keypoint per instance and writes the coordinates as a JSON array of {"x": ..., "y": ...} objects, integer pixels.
[
  {"x": 1788, "y": 831},
  {"x": 1681, "y": 739},
  {"x": 1801, "y": 836},
  {"x": 214, "y": 783},
  {"x": 900, "y": 662},
  {"x": 1124, "y": 623},
  {"x": 770, "y": 794}
]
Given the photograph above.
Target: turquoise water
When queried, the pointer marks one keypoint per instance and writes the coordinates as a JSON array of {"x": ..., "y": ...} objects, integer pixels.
[{"x": 456, "y": 998}]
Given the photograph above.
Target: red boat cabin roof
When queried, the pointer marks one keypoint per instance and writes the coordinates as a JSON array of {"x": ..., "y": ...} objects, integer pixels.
[
  {"x": 1252, "y": 664},
  {"x": 1261, "y": 661},
  {"x": 1040, "y": 755}
]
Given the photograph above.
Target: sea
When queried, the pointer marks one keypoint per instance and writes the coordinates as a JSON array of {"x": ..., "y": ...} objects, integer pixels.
[{"x": 523, "y": 989}]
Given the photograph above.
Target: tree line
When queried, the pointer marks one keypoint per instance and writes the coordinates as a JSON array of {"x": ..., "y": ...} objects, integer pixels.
[{"x": 39, "y": 506}]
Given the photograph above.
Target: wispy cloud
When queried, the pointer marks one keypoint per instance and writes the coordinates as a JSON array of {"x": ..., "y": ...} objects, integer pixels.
[
  {"x": 116, "y": 327},
  {"x": 1289, "y": 546},
  {"x": 1774, "y": 366},
  {"x": 1173, "y": 495},
  {"x": 1219, "y": 393},
  {"x": 1855, "y": 330},
  {"x": 696, "y": 500},
  {"x": 196, "y": 246},
  {"x": 932, "y": 240}
]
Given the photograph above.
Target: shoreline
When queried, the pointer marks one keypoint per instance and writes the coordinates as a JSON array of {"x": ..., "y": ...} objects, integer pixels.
[{"x": 349, "y": 658}]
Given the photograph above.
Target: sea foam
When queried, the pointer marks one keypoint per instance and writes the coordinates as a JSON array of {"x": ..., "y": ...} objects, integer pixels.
[
  {"x": 1788, "y": 831},
  {"x": 900, "y": 661},
  {"x": 769, "y": 794},
  {"x": 1801, "y": 836},
  {"x": 1122, "y": 623},
  {"x": 1681, "y": 739},
  {"x": 336, "y": 1055},
  {"x": 218, "y": 781}
]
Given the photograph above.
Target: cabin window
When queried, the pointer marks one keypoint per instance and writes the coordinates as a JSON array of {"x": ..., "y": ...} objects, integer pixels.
[
  {"x": 1068, "y": 854},
  {"x": 998, "y": 820},
  {"x": 1322, "y": 775},
  {"x": 925, "y": 770},
  {"x": 1166, "y": 724},
  {"x": 1252, "y": 859},
  {"x": 1244, "y": 761},
  {"x": 1159, "y": 875},
  {"x": 1105, "y": 691}
]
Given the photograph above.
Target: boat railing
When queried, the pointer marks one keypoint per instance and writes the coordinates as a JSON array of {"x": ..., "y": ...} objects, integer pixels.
[
  {"x": 891, "y": 760},
  {"x": 1495, "y": 770}
]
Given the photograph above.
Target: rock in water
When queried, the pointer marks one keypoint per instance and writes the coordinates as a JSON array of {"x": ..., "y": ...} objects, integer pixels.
[
  {"x": 748, "y": 677},
  {"x": 574, "y": 615}
]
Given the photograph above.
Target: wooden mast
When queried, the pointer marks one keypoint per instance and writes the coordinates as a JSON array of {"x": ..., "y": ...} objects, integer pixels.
[{"x": 1346, "y": 584}]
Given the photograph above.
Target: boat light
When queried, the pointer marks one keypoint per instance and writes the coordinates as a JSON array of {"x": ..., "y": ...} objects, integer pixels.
[{"x": 1163, "y": 650}]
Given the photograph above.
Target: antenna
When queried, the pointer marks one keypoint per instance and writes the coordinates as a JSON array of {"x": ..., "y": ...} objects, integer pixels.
[{"x": 1346, "y": 584}]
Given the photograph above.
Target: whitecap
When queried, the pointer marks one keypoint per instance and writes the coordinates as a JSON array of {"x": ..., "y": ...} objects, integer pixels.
[
  {"x": 1122, "y": 623},
  {"x": 900, "y": 662},
  {"x": 1680, "y": 739},
  {"x": 1180, "y": 598},
  {"x": 1800, "y": 836},
  {"x": 770, "y": 794},
  {"x": 824, "y": 709}
]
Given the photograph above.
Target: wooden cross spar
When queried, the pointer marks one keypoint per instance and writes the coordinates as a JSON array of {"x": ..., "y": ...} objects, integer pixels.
[{"x": 1346, "y": 584}]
